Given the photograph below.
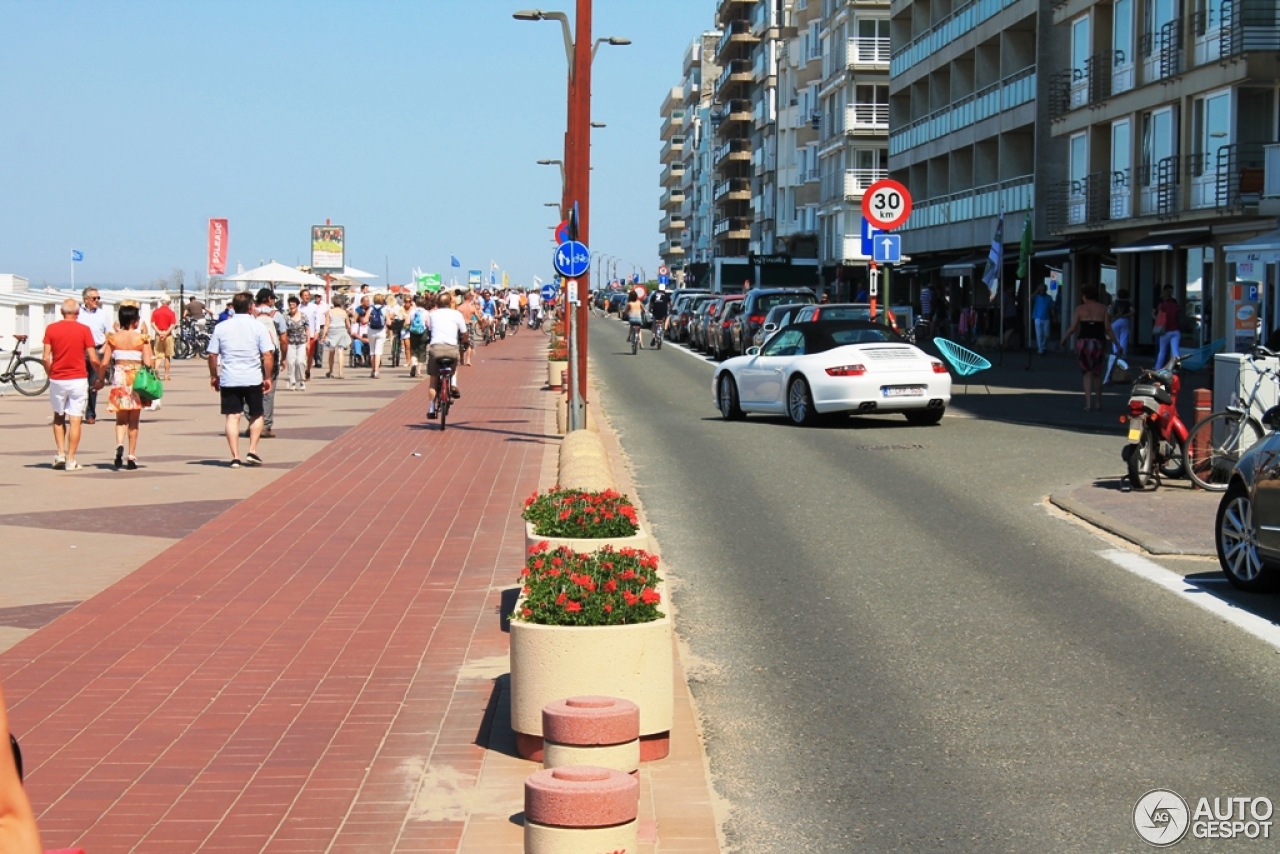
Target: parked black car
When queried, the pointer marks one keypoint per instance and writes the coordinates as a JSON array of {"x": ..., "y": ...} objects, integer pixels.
[{"x": 749, "y": 315}]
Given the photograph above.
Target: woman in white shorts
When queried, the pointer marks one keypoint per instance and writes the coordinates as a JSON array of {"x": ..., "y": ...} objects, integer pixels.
[{"x": 377, "y": 337}]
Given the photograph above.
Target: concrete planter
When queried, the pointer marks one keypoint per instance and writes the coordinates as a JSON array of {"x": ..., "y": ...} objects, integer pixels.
[
  {"x": 550, "y": 663},
  {"x": 639, "y": 540},
  {"x": 554, "y": 372}
]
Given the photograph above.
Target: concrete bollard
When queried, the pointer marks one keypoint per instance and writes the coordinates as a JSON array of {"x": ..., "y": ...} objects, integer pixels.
[
  {"x": 599, "y": 731},
  {"x": 581, "y": 809},
  {"x": 1203, "y": 407}
]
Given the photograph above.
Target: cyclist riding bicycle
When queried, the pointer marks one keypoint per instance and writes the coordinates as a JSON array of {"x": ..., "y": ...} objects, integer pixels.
[
  {"x": 535, "y": 308},
  {"x": 488, "y": 309},
  {"x": 660, "y": 311},
  {"x": 448, "y": 334},
  {"x": 635, "y": 314}
]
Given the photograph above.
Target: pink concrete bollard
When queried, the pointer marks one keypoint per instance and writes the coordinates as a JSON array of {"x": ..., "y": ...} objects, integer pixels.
[
  {"x": 581, "y": 809},
  {"x": 600, "y": 731}
]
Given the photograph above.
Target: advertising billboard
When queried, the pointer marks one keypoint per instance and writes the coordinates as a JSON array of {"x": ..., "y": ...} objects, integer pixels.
[{"x": 328, "y": 245}]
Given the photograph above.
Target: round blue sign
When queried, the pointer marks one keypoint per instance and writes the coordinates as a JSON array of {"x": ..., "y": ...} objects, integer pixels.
[
  {"x": 549, "y": 293},
  {"x": 572, "y": 259}
]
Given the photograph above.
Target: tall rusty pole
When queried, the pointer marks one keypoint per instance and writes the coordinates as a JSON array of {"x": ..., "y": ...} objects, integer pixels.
[{"x": 578, "y": 190}]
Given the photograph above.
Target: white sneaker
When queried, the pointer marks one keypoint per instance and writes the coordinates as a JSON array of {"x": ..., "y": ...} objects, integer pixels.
[{"x": 304, "y": 387}]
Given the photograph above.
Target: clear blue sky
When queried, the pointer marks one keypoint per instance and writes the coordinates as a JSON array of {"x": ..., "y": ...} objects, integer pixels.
[{"x": 414, "y": 123}]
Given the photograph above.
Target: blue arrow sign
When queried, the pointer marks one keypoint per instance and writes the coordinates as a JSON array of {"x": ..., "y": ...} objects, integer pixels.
[
  {"x": 572, "y": 259},
  {"x": 868, "y": 232},
  {"x": 887, "y": 249},
  {"x": 664, "y": 280},
  {"x": 549, "y": 293}
]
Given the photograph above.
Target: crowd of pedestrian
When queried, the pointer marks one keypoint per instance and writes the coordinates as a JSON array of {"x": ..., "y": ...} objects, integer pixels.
[{"x": 255, "y": 339}]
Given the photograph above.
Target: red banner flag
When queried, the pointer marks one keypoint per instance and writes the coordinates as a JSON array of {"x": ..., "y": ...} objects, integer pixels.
[{"x": 217, "y": 247}]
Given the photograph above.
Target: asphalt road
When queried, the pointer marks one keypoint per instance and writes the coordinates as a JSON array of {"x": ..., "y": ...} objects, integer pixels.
[{"x": 897, "y": 647}]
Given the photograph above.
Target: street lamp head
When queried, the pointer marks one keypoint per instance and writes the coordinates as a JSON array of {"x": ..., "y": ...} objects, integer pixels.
[
  {"x": 549, "y": 162},
  {"x": 618, "y": 41},
  {"x": 551, "y": 204},
  {"x": 529, "y": 15},
  {"x": 599, "y": 125}
]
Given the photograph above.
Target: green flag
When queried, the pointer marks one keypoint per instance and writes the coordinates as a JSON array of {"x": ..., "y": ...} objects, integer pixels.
[
  {"x": 429, "y": 282},
  {"x": 1025, "y": 250}
]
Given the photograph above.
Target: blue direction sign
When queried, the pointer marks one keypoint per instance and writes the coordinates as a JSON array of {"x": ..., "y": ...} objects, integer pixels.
[
  {"x": 572, "y": 259},
  {"x": 868, "y": 232},
  {"x": 549, "y": 293},
  {"x": 887, "y": 249}
]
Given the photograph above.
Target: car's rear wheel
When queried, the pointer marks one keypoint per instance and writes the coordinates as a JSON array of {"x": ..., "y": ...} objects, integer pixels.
[
  {"x": 1236, "y": 536},
  {"x": 730, "y": 409},
  {"x": 925, "y": 417},
  {"x": 800, "y": 403}
]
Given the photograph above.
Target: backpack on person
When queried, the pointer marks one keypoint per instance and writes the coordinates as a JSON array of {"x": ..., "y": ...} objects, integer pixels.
[
  {"x": 376, "y": 321},
  {"x": 418, "y": 323}
]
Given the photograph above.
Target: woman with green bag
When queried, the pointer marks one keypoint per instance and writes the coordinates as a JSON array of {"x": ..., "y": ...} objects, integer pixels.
[{"x": 128, "y": 350}]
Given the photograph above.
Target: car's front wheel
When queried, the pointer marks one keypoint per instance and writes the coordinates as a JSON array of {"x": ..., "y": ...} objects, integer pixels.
[
  {"x": 1236, "y": 536},
  {"x": 800, "y": 403},
  {"x": 730, "y": 409}
]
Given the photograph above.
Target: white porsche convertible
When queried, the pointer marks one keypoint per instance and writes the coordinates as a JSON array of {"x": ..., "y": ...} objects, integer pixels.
[{"x": 807, "y": 370}]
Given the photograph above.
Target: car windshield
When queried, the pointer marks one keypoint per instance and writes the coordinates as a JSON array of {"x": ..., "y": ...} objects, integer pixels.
[
  {"x": 768, "y": 301},
  {"x": 846, "y": 313},
  {"x": 871, "y": 333}
]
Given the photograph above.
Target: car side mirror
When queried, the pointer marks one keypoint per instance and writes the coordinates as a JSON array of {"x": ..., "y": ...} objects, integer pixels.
[
  {"x": 755, "y": 351},
  {"x": 770, "y": 327},
  {"x": 1271, "y": 418}
]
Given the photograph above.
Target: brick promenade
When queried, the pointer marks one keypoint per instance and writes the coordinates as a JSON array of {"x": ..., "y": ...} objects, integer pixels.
[{"x": 315, "y": 669}]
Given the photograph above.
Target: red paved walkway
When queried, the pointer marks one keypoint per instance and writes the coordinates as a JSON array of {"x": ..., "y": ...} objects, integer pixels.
[{"x": 289, "y": 677}]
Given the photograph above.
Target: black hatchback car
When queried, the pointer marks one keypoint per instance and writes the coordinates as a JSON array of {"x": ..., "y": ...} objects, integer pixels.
[{"x": 750, "y": 313}]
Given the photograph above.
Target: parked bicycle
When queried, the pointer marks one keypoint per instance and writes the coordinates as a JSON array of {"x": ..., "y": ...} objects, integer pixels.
[
  {"x": 1217, "y": 443},
  {"x": 26, "y": 373}
]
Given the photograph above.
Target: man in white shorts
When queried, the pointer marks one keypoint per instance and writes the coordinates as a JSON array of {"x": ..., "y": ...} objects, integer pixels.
[{"x": 69, "y": 353}]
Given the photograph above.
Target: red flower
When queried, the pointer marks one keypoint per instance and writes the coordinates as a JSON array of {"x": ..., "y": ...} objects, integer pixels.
[
  {"x": 610, "y": 586},
  {"x": 560, "y": 600},
  {"x": 627, "y": 575},
  {"x": 630, "y": 597},
  {"x": 608, "y": 609},
  {"x": 573, "y": 607},
  {"x": 650, "y": 596},
  {"x": 526, "y": 612},
  {"x": 524, "y": 572}
]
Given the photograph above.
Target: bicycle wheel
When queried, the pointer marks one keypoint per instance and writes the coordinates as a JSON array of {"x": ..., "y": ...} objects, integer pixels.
[
  {"x": 443, "y": 407},
  {"x": 635, "y": 339},
  {"x": 1216, "y": 444},
  {"x": 30, "y": 377}
]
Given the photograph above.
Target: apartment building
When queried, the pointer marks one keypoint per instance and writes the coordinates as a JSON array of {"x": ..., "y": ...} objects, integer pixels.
[
  {"x": 700, "y": 74},
  {"x": 1170, "y": 115},
  {"x": 799, "y": 118},
  {"x": 851, "y": 102},
  {"x": 672, "y": 225},
  {"x": 969, "y": 113}
]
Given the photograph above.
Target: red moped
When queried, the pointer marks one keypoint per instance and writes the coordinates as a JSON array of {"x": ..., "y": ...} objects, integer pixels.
[{"x": 1157, "y": 437}]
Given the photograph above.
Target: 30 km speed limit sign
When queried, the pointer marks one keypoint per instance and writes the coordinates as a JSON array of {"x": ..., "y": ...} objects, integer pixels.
[{"x": 886, "y": 204}]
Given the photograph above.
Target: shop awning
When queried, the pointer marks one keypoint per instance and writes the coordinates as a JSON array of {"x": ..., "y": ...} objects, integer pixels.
[
  {"x": 919, "y": 265},
  {"x": 1264, "y": 248},
  {"x": 1061, "y": 251},
  {"x": 1162, "y": 242},
  {"x": 965, "y": 266}
]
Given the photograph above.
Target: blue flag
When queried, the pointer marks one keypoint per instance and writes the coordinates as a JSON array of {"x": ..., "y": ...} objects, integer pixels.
[
  {"x": 454, "y": 262},
  {"x": 995, "y": 258},
  {"x": 77, "y": 255}
]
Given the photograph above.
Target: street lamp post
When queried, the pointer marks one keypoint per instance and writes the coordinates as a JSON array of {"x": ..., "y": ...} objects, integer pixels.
[{"x": 580, "y": 50}]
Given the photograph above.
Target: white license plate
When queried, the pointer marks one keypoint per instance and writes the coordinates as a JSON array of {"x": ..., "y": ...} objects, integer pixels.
[{"x": 902, "y": 390}]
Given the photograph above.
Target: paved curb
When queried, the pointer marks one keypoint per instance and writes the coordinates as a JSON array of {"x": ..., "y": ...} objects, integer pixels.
[{"x": 1144, "y": 539}]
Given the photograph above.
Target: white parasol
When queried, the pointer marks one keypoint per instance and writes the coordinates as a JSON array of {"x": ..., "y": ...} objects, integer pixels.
[{"x": 276, "y": 273}]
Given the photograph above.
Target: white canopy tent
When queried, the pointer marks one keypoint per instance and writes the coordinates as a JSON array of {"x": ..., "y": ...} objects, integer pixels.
[{"x": 276, "y": 273}]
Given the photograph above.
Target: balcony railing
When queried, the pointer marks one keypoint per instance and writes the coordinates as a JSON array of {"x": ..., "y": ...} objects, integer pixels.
[
  {"x": 941, "y": 34},
  {"x": 732, "y": 186},
  {"x": 868, "y": 52},
  {"x": 671, "y": 148},
  {"x": 856, "y": 181},
  {"x": 1161, "y": 52},
  {"x": 734, "y": 66},
  {"x": 1013, "y": 194},
  {"x": 731, "y": 224},
  {"x": 739, "y": 30},
  {"x": 866, "y": 118},
  {"x": 1242, "y": 27},
  {"x": 733, "y": 146},
  {"x": 1017, "y": 88},
  {"x": 1271, "y": 180},
  {"x": 1160, "y": 187}
]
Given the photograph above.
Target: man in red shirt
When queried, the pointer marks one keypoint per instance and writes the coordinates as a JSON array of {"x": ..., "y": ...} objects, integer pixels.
[
  {"x": 68, "y": 353},
  {"x": 162, "y": 321}
]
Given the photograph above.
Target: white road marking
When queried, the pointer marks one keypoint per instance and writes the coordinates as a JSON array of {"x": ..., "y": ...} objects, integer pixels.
[
  {"x": 1263, "y": 629},
  {"x": 683, "y": 349}
]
